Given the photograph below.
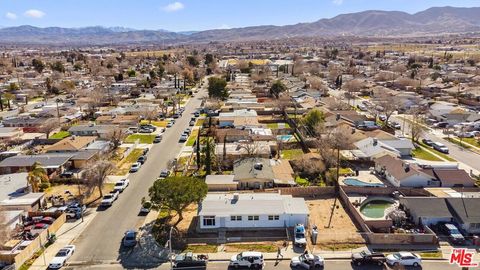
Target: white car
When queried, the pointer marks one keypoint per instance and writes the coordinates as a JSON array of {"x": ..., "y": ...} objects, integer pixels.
[
  {"x": 109, "y": 198},
  {"x": 299, "y": 235},
  {"x": 135, "y": 167},
  {"x": 404, "y": 258},
  {"x": 61, "y": 257},
  {"x": 250, "y": 259},
  {"x": 307, "y": 260},
  {"x": 121, "y": 185}
]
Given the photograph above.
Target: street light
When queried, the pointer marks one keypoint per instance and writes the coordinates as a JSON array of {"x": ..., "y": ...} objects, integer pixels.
[{"x": 169, "y": 243}]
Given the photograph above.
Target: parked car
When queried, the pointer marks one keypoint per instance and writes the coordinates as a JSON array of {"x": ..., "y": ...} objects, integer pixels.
[
  {"x": 382, "y": 117},
  {"x": 132, "y": 129},
  {"x": 440, "y": 147},
  {"x": 189, "y": 260},
  {"x": 307, "y": 261},
  {"x": 149, "y": 126},
  {"x": 367, "y": 257},
  {"x": 440, "y": 125},
  {"x": 145, "y": 130},
  {"x": 158, "y": 138},
  {"x": 142, "y": 159},
  {"x": 170, "y": 124},
  {"x": 66, "y": 175},
  {"x": 452, "y": 232},
  {"x": 38, "y": 106},
  {"x": 109, "y": 198},
  {"x": 197, "y": 114},
  {"x": 130, "y": 238},
  {"x": 121, "y": 185},
  {"x": 187, "y": 131},
  {"x": 299, "y": 235},
  {"x": 250, "y": 259},
  {"x": 394, "y": 125},
  {"x": 75, "y": 210},
  {"x": 164, "y": 174},
  {"x": 175, "y": 116},
  {"x": 427, "y": 142},
  {"x": 183, "y": 137},
  {"x": 404, "y": 258},
  {"x": 61, "y": 257},
  {"x": 135, "y": 167},
  {"x": 146, "y": 206},
  {"x": 145, "y": 151},
  {"x": 362, "y": 107},
  {"x": 191, "y": 123}
]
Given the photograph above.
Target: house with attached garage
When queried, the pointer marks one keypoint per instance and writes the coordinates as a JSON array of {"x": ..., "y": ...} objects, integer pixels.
[
  {"x": 401, "y": 174},
  {"x": 250, "y": 211}
]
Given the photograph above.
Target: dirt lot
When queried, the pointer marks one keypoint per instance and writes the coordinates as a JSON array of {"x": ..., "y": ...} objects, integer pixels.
[
  {"x": 76, "y": 190},
  {"x": 188, "y": 216},
  {"x": 341, "y": 230}
]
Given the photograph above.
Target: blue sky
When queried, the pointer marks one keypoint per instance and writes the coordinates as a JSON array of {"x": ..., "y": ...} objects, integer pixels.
[{"x": 185, "y": 15}]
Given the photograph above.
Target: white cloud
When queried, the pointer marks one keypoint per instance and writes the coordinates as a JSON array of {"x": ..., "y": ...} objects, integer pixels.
[
  {"x": 34, "y": 13},
  {"x": 337, "y": 2},
  {"x": 172, "y": 7},
  {"x": 11, "y": 16}
]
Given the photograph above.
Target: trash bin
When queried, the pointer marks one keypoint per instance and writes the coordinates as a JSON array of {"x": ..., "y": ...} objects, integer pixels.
[{"x": 314, "y": 234}]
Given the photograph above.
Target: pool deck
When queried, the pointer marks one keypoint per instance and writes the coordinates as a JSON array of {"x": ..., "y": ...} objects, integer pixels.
[
  {"x": 362, "y": 199},
  {"x": 364, "y": 176}
]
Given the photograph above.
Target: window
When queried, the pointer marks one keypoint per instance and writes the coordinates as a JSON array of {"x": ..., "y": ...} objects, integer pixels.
[
  {"x": 236, "y": 218},
  {"x": 252, "y": 217},
  {"x": 209, "y": 221},
  {"x": 273, "y": 217}
]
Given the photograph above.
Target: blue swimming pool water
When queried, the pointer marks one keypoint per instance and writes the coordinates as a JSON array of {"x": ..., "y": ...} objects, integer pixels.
[
  {"x": 284, "y": 138},
  {"x": 357, "y": 183}
]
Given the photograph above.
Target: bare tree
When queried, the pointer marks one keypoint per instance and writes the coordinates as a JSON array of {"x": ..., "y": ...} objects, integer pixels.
[
  {"x": 331, "y": 140},
  {"x": 116, "y": 137},
  {"x": 48, "y": 126},
  {"x": 351, "y": 87},
  {"x": 417, "y": 127},
  {"x": 251, "y": 148},
  {"x": 149, "y": 114},
  {"x": 96, "y": 172},
  {"x": 386, "y": 103}
]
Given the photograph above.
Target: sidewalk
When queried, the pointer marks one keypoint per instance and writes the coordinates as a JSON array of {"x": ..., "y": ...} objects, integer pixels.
[{"x": 65, "y": 236}]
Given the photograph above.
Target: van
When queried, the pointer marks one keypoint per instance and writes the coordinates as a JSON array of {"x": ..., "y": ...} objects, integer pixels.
[
  {"x": 158, "y": 138},
  {"x": 440, "y": 147}
]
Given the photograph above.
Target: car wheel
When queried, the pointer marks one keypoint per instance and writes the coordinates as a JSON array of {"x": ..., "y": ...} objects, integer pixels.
[
  {"x": 380, "y": 263},
  {"x": 396, "y": 264},
  {"x": 358, "y": 263},
  {"x": 415, "y": 264},
  {"x": 235, "y": 265}
]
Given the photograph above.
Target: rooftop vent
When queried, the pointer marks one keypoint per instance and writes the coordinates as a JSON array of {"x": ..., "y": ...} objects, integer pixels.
[{"x": 258, "y": 166}]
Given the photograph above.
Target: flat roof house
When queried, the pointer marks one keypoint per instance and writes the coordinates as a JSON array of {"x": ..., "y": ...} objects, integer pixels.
[
  {"x": 251, "y": 211},
  {"x": 101, "y": 131}
]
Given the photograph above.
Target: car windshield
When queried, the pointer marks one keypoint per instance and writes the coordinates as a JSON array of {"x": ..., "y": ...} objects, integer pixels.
[
  {"x": 300, "y": 235},
  {"x": 61, "y": 253},
  {"x": 397, "y": 256},
  {"x": 119, "y": 184},
  {"x": 107, "y": 197}
]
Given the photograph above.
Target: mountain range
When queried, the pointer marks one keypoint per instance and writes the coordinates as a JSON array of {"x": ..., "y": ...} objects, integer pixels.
[{"x": 371, "y": 23}]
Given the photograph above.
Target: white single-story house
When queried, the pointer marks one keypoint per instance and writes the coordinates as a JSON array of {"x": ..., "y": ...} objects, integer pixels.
[
  {"x": 401, "y": 174},
  {"x": 240, "y": 211}
]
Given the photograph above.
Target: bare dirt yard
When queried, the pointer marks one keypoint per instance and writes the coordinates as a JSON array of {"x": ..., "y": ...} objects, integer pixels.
[
  {"x": 76, "y": 192},
  {"x": 341, "y": 234}
]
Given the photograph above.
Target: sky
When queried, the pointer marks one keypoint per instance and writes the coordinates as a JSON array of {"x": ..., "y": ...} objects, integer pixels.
[{"x": 194, "y": 15}]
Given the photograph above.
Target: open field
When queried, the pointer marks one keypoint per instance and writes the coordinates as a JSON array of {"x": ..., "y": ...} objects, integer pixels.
[
  {"x": 78, "y": 191},
  {"x": 142, "y": 138}
]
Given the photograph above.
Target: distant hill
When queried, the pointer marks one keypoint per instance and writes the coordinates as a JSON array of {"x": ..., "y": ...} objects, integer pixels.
[{"x": 433, "y": 21}]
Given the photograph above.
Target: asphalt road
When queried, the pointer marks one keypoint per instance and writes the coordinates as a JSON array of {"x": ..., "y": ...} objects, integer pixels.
[
  {"x": 284, "y": 265},
  {"x": 101, "y": 240}
]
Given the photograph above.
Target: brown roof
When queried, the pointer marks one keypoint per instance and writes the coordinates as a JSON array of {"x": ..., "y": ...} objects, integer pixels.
[
  {"x": 453, "y": 177},
  {"x": 72, "y": 143},
  {"x": 397, "y": 168},
  {"x": 282, "y": 171}
]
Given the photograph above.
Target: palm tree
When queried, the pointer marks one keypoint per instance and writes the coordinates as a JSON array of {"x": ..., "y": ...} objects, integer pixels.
[{"x": 36, "y": 176}]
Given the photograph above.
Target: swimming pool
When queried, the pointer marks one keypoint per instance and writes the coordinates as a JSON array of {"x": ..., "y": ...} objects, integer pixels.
[
  {"x": 375, "y": 208},
  {"x": 284, "y": 138},
  {"x": 357, "y": 183}
]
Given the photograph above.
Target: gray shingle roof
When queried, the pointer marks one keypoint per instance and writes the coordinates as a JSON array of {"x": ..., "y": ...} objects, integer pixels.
[
  {"x": 46, "y": 160},
  {"x": 245, "y": 169}
]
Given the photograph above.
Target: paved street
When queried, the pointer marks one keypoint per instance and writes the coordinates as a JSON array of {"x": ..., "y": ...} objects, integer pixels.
[
  {"x": 284, "y": 265},
  {"x": 100, "y": 242}
]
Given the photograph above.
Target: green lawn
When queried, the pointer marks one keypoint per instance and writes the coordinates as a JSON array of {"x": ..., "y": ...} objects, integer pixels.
[
  {"x": 278, "y": 125},
  {"x": 472, "y": 141},
  {"x": 423, "y": 154},
  {"x": 124, "y": 165},
  {"x": 457, "y": 142},
  {"x": 201, "y": 248},
  {"x": 155, "y": 123},
  {"x": 249, "y": 247},
  {"x": 199, "y": 122},
  {"x": 431, "y": 254},
  {"x": 192, "y": 138},
  {"x": 292, "y": 153},
  {"x": 60, "y": 135},
  {"x": 143, "y": 138}
]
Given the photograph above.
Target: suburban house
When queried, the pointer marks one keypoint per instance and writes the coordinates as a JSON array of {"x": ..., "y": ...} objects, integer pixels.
[
  {"x": 81, "y": 158},
  {"x": 12, "y": 184},
  {"x": 239, "y": 118},
  {"x": 24, "y": 201},
  {"x": 221, "y": 182},
  {"x": 51, "y": 162},
  {"x": 241, "y": 211},
  {"x": 451, "y": 113},
  {"x": 102, "y": 131},
  {"x": 121, "y": 120},
  {"x": 372, "y": 148},
  {"x": 450, "y": 177},
  {"x": 401, "y": 174},
  {"x": 10, "y": 133},
  {"x": 404, "y": 146},
  {"x": 70, "y": 144},
  {"x": 231, "y": 152},
  {"x": 258, "y": 173},
  {"x": 28, "y": 124},
  {"x": 431, "y": 210}
]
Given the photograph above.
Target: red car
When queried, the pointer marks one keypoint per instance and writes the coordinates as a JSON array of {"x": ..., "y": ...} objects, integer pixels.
[{"x": 40, "y": 226}]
